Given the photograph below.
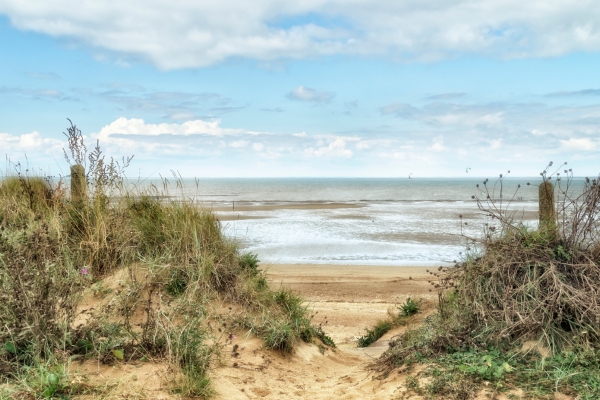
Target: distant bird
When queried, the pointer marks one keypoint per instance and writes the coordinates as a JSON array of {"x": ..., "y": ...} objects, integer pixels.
[
  {"x": 409, "y": 175},
  {"x": 467, "y": 170}
]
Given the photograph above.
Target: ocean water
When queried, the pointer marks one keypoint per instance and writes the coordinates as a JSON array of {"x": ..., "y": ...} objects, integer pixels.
[{"x": 355, "y": 221}]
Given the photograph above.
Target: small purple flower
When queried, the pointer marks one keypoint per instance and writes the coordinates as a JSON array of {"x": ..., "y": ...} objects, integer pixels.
[{"x": 84, "y": 271}]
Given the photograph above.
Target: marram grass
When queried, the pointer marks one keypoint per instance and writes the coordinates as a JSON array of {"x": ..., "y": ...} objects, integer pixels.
[{"x": 174, "y": 265}]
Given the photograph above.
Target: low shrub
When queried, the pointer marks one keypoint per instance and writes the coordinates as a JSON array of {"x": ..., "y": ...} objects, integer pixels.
[
  {"x": 409, "y": 308},
  {"x": 515, "y": 284}
]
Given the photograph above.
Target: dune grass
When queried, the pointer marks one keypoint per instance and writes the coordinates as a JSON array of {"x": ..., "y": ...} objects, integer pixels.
[
  {"x": 521, "y": 311},
  {"x": 158, "y": 271}
]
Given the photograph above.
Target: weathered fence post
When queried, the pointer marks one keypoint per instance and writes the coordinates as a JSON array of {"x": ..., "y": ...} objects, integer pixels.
[
  {"x": 547, "y": 211},
  {"x": 78, "y": 186}
]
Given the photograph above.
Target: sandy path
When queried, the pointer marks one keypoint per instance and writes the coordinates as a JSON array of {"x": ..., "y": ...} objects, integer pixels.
[{"x": 350, "y": 299}]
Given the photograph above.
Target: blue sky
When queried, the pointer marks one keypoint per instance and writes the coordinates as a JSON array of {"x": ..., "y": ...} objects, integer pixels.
[{"x": 312, "y": 88}]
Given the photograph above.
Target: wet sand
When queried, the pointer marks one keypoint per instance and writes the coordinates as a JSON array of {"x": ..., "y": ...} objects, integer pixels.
[{"x": 309, "y": 205}]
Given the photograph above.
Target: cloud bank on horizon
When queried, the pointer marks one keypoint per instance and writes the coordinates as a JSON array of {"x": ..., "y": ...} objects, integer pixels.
[
  {"x": 191, "y": 34},
  {"x": 262, "y": 88}
]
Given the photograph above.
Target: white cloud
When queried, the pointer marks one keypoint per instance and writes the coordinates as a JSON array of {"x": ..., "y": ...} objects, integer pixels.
[
  {"x": 335, "y": 148},
  {"x": 495, "y": 144},
  {"x": 578, "y": 144},
  {"x": 238, "y": 144},
  {"x": 189, "y": 34},
  {"x": 258, "y": 146},
  {"x": 135, "y": 136},
  {"x": 135, "y": 126},
  {"x": 28, "y": 142},
  {"x": 303, "y": 93},
  {"x": 413, "y": 142},
  {"x": 438, "y": 144}
]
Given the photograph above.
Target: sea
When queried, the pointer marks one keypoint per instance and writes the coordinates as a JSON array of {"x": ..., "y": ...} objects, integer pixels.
[{"x": 356, "y": 221}]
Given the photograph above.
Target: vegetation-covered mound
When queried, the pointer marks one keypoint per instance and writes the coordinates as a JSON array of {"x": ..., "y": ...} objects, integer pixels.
[
  {"x": 121, "y": 276},
  {"x": 518, "y": 289}
]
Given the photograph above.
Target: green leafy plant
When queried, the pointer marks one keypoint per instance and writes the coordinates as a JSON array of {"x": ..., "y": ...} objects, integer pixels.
[
  {"x": 409, "y": 308},
  {"x": 249, "y": 262}
]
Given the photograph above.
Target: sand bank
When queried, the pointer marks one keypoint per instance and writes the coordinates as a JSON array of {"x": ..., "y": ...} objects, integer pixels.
[{"x": 309, "y": 205}]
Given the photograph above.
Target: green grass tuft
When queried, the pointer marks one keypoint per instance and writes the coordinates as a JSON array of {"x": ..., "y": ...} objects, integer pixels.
[{"x": 372, "y": 335}]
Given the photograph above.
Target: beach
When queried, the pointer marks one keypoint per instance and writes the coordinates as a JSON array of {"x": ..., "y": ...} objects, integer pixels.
[{"x": 376, "y": 222}]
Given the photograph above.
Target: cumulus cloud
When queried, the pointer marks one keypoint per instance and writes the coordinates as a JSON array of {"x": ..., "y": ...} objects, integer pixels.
[
  {"x": 503, "y": 132},
  {"x": 438, "y": 144},
  {"x": 578, "y": 144},
  {"x": 303, "y": 93},
  {"x": 190, "y": 34},
  {"x": 331, "y": 146},
  {"x": 239, "y": 144},
  {"x": 28, "y": 141},
  {"x": 136, "y": 127},
  {"x": 518, "y": 135},
  {"x": 258, "y": 146}
]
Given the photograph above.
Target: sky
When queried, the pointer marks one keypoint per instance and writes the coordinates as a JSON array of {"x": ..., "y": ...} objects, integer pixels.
[{"x": 312, "y": 88}]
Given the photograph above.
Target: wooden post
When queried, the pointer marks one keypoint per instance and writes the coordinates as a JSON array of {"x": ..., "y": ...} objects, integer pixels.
[
  {"x": 547, "y": 211},
  {"x": 78, "y": 185}
]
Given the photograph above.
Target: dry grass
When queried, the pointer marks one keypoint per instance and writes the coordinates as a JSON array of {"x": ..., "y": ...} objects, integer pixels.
[
  {"x": 156, "y": 271},
  {"x": 517, "y": 284}
]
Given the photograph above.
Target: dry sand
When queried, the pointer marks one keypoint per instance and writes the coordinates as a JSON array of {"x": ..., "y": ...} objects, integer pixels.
[{"x": 349, "y": 298}]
